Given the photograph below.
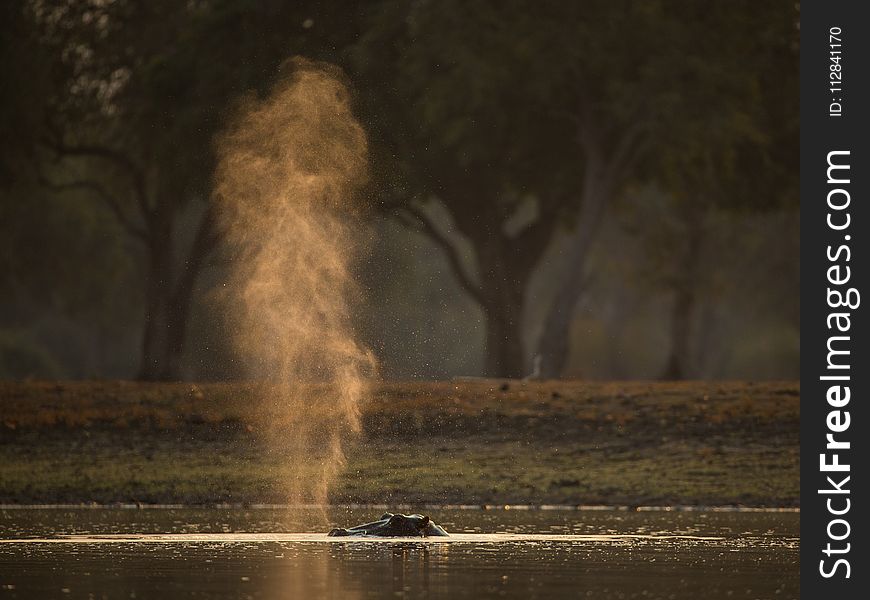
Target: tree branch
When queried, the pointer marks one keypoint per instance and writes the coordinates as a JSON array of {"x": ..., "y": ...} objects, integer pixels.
[
  {"x": 415, "y": 218},
  {"x": 532, "y": 241},
  {"x": 92, "y": 186},
  {"x": 628, "y": 151},
  {"x": 117, "y": 158}
]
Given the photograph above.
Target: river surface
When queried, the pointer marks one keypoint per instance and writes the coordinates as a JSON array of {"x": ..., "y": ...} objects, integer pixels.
[{"x": 280, "y": 553}]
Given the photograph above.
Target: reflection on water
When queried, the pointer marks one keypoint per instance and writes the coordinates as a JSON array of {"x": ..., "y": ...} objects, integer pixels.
[{"x": 539, "y": 554}]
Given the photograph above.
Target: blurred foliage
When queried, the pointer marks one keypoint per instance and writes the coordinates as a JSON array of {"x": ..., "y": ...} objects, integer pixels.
[
  {"x": 138, "y": 92},
  {"x": 27, "y": 81},
  {"x": 489, "y": 109},
  {"x": 485, "y": 122},
  {"x": 487, "y": 97}
]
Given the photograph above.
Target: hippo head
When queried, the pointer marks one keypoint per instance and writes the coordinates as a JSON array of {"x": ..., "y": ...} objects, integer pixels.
[
  {"x": 402, "y": 525},
  {"x": 392, "y": 525}
]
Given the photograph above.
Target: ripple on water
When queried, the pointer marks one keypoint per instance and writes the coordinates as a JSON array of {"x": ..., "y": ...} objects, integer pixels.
[{"x": 544, "y": 554}]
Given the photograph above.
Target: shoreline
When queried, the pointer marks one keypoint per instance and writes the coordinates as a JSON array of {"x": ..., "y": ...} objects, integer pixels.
[
  {"x": 478, "y": 443},
  {"x": 470, "y": 507}
]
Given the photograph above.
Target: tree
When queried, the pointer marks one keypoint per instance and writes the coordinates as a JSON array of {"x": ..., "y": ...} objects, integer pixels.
[
  {"x": 744, "y": 162},
  {"x": 111, "y": 138},
  {"x": 540, "y": 109},
  {"x": 142, "y": 90},
  {"x": 430, "y": 77},
  {"x": 60, "y": 261}
]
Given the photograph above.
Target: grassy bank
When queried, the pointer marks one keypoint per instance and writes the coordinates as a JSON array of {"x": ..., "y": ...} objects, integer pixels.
[{"x": 447, "y": 442}]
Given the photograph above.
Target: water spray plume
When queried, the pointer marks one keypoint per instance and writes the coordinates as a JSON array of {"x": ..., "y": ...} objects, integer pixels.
[{"x": 289, "y": 172}]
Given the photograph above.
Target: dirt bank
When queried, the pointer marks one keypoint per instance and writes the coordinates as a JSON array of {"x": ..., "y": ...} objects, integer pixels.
[{"x": 443, "y": 442}]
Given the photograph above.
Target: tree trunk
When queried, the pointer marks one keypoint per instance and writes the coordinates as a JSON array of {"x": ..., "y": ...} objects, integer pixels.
[
  {"x": 148, "y": 361},
  {"x": 157, "y": 286},
  {"x": 505, "y": 353},
  {"x": 677, "y": 366},
  {"x": 685, "y": 296},
  {"x": 503, "y": 283},
  {"x": 504, "y": 264},
  {"x": 167, "y": 304},
  {"x": 176, "y": 331},
  {"x": 554, "y": 344},
  {"x": 178, "y": 308}
]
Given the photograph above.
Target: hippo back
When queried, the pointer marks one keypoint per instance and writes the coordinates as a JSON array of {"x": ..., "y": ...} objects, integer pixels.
[{"x": 392, "y": 525}]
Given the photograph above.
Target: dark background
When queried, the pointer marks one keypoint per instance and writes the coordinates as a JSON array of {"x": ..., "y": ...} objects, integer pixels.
[{"x": 609, "y": 186}]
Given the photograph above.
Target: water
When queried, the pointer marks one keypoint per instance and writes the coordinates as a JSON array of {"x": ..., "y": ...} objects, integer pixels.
[{"x": 273, "y": 553}]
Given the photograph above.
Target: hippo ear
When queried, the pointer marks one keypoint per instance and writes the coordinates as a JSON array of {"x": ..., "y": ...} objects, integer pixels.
[{"x": 385, "y": 516}]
